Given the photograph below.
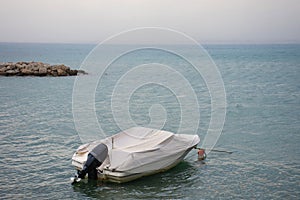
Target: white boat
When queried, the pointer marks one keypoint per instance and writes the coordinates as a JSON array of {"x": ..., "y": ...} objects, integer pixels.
[{"x": 131, "y": 154}]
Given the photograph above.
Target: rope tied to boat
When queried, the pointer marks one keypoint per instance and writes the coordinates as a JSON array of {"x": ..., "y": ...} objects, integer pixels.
[{"x": 202, "y": 154}]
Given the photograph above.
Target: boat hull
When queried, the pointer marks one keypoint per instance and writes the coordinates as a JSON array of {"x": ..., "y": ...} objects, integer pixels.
[{"x": 122, "y": 177}]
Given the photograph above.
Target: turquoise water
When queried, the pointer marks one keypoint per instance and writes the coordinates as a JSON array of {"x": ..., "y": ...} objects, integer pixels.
[{"x": 38, "y": 135}]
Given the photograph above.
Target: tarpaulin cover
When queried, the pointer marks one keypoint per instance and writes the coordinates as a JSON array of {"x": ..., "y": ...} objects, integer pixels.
[{"x": 142, "y": 149}]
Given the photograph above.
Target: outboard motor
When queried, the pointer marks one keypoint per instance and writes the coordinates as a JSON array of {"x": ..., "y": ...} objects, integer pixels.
[{"x": 94, "y": 160}]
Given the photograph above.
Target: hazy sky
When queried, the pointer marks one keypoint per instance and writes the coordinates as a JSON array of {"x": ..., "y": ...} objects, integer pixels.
[{"x": 210, "y": 21}]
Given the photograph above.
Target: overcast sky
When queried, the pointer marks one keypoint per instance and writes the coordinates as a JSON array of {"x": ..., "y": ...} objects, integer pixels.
[{"x": 208, "y": 21}]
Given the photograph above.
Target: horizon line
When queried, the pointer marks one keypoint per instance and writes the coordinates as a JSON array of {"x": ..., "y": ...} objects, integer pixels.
[{"x": 203, "y": 43}]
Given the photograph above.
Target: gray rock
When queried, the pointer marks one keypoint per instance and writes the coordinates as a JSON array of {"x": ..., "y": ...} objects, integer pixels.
[
  {"x": 42, "y": 71},
  {"x": 2, "y": 66},
  {"x": 18, "y": 65},
  {"x": 61, "y": 72},
  {"x": 26, "y": 72},
  {"x": 37, "y": 69},
  {"x": 11, "y": 72},
  {"x": 3, "y": 69},
  {"x": 73, "y": 72}
]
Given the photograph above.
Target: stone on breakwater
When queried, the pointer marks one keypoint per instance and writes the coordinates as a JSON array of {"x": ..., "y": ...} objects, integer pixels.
[{"x": 36, "y": 69}]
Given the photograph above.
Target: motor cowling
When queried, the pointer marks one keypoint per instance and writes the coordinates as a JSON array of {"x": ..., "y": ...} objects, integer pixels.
[{"x": 95, "y": 158}]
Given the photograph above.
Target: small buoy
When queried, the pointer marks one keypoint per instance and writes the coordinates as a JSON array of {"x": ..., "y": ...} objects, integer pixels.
[{"x": 201, "y": 154}]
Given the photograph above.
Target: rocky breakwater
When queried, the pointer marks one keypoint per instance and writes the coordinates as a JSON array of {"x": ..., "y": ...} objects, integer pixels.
[{"x": 37, "y": 69}]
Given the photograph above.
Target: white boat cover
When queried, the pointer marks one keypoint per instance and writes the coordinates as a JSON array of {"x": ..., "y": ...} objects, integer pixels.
[{"x": 140, "y": 149}]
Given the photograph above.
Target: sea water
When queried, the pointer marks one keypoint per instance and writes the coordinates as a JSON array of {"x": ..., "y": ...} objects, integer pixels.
[{"x": 38, "y": 134}]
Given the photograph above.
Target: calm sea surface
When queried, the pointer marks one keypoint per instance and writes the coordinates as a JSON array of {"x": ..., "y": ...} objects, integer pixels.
[{"x": 262, "y": 126}]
